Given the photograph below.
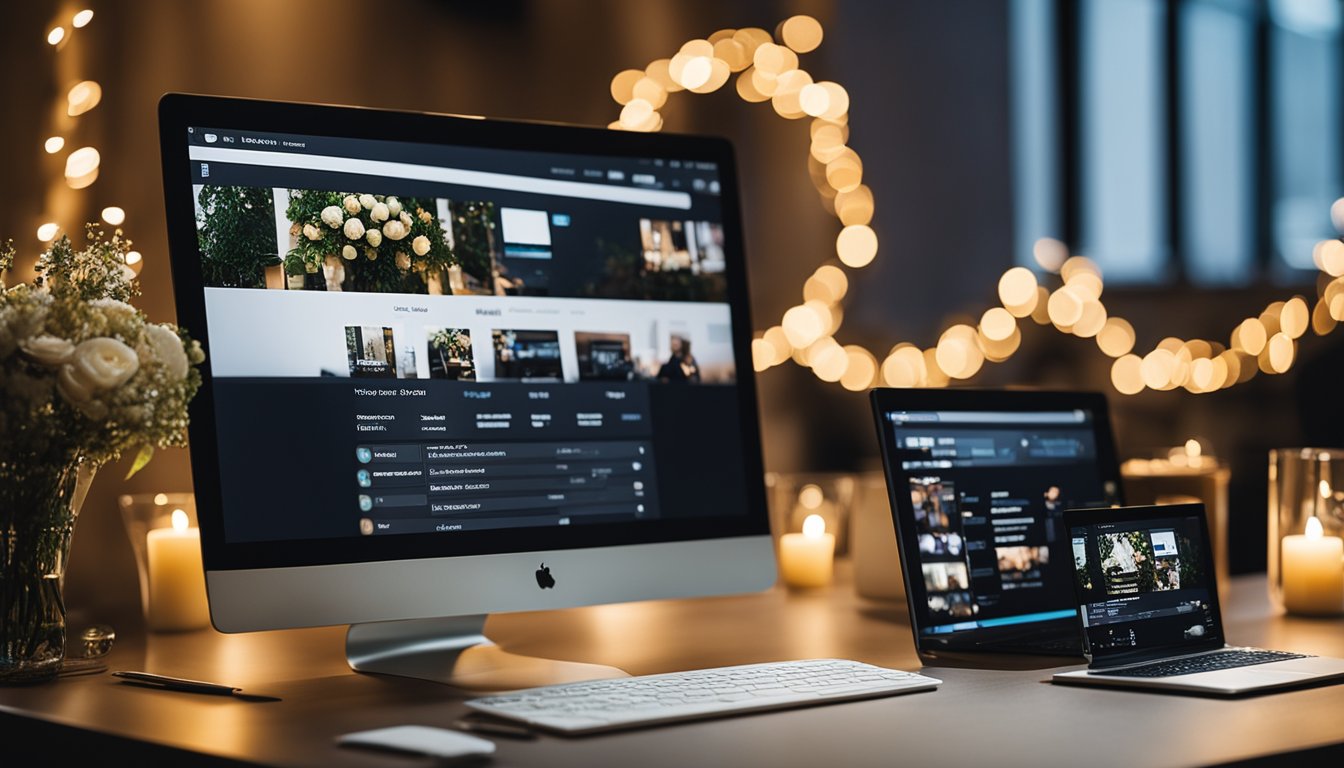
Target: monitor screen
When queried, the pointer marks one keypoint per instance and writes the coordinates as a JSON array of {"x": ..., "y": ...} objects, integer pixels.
[
  {"x": 1144, "y": 584},
  {"x": 987, "y": 492},
  {"x": 426, "y": 348}
]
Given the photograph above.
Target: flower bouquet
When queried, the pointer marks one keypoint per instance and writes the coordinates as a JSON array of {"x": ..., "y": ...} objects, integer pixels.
[
  {"x": 387, "y": 244},
  {"x": 84, "y": 377}
]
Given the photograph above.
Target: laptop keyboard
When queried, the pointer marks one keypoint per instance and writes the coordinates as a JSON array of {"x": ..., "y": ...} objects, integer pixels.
[{"x": 1207, "y": 663}]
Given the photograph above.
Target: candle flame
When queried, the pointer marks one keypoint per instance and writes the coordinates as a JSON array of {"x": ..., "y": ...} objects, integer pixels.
[
  {"x": 815, "y": 525},
  {"x": 1193, "y": 448},
  {"x": 1325, "y": 489},
  {"x": 179, "y": 520},
  {"x": 160, "y": 499},
  {"x": 1314, "y": 530}
]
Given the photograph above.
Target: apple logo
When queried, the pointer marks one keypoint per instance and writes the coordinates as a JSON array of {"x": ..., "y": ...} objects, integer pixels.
[{"x": 544, "y": 578}]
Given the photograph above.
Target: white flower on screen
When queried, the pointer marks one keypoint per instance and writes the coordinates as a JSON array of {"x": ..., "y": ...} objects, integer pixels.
[
  {"x": 372, "y": 253},
  {"x": 367, "y": 201},
  {"x": 349, "y": 253},
  {"x": 47, "y": 350},
  {"x": 354, "y": 229},
  {"x": 420, "y": 245},
  {"x": 312, "y": 232},
  {"x": 395, "y": 230},
  {"x": 425, "y": 216},
  {"x": 168, "y": 350},
  {"x": 393, "y": 206},
  {"x": 103, "y": 363},
  {"x": 374, "y": 236},
  {"x": 351, "y": 204},
  {"x": 403, "y": 261},
  {"x": 405, "y": 219},
  {"x": 379, "y": 213},
  {"x": 332, "y": 216}
]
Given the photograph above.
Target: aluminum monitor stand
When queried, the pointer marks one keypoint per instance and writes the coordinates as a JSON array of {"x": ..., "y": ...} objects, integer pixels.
[{"x": 455, "y": 651}]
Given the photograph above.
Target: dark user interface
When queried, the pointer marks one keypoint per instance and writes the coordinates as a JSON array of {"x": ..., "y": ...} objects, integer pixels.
[
  {"x": 1144, "y": 585},
  {"x": 424, "y": 339},
  {"x": 988, "y": 492}
]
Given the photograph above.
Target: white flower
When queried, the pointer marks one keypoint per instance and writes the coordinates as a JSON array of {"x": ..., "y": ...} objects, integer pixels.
[
  {"x": 425, "y": 216},
  {"x": 374, "y": 236},
  {"x": 168, "y": 349},
  {"x": 103, "y": 363},
  {"x": 395, "y": 230},
  {"x": 332, "y": 216},
  {"x": 403, "y": 261},
  {"x": 70, "y": 387},
  {"x": 351, "y": 204},
  {"x": 379, "y": 213},
  {"x": 405, "y": 219},
  {"x": 127, "y": 273},
  {"x": 50, "y": 351},
  {"x": 354, "y": 229},
  {"x": 367, "y": 201},
  {"x": 393, "y": 206},
  {"x": 420, "y": 245},
  {"x": 372, "y": 253},
  {"x": 349, "y": 253},
  {"x": 311, "y": 232}
]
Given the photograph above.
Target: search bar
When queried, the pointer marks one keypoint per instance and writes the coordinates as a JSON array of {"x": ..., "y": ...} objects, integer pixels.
[{"x": 436, "y": 173}]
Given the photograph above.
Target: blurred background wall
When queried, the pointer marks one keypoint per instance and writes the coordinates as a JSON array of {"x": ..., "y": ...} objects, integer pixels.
[{"x": 1139, "y": 131}]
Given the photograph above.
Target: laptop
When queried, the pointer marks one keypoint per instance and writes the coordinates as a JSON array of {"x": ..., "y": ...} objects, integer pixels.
[
  {"x": 979, "y": 481},
  {"x": 1147, "y": 595}
]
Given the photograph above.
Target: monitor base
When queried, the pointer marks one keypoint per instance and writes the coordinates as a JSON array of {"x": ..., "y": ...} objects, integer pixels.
[{"x": 456, "y": 652}]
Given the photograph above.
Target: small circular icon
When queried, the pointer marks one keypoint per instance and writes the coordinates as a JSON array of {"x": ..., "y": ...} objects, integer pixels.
[
  {"x": 366, "y": 526},
  {"x": 363, "y": 454},
  {"x": 365, "y": 503},
  {"x": 364, "y": 478}
]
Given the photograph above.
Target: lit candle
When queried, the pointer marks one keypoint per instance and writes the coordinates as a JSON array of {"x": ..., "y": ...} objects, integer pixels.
[
  {"x": 807, "y": 559},
  {"x": 176, "y": 578},
  {"x": 1313, "y": 572}
]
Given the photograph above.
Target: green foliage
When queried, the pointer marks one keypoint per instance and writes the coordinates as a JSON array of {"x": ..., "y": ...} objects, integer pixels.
[
  {"x": 97, "y": 272},
  {"x": 474, "y": 227},
  {"x": 236, "y": 231}
]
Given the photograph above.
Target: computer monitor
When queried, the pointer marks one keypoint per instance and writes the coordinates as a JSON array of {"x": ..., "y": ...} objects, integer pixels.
[{"x": 454, "y": 367}]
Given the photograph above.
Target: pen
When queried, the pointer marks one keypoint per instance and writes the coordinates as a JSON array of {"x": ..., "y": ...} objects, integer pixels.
[{"x": 177, "y": 683}]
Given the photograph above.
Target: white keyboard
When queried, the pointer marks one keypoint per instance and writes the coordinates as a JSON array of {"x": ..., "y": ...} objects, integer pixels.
[{"x": 604, "y": 705}]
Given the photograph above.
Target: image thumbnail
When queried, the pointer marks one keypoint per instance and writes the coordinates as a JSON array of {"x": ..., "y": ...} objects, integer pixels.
[
  {"x": 1021, "y": 563},
  {"x": 450, "y": 354},
  {"x": 527, "y": 354},
  {"x": 681, "y": 366},
  {"x": 604, "y": 356},
  {"x": 953, "y": 605},
  {"x": 677, "y": 246},
  {"x": 371, "y": 352},
  {"x": 1127, "y": 562},
  {"x": 945, "y": 577}
]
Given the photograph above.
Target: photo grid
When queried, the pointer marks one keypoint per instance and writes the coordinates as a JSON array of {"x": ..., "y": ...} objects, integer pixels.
[{"x": 947, "y": 582}]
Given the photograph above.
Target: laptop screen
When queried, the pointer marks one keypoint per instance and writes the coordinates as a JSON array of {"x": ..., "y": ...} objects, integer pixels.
[
  {"x": 986, "y": 492},
  {"x": 1144, "y": 581}
]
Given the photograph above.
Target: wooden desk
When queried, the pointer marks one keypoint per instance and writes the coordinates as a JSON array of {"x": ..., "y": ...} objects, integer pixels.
[{"x": 978, "y": 717}]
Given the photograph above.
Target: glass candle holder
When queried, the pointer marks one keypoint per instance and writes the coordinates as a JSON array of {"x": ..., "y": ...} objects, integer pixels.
[
  {"x": 793, "y": 497},
  {"x": 1306, "y": 530},
  {"x": 1185, "y": 475},
  {"x": 164, "y": 535}
]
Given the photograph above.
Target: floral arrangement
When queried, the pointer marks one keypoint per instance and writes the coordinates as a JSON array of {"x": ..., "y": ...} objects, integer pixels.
[
  {"x": 84, "y": 376},
  {"x": 388, "y": 244},
  {"x": 450, "y": 343}
]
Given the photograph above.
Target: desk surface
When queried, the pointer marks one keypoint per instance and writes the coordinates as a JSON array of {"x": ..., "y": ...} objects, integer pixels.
[{"x": 979, "y": 716}]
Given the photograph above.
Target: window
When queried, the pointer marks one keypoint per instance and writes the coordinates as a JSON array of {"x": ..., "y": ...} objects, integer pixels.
[{"x": 1178, "y": 140}]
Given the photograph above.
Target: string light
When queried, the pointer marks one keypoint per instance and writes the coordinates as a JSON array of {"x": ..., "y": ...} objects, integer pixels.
[
  {"x": 768, "y": 69},
  {"x": 114, "y": 215},
  {"x": 82, "y": 19},
  {"x": 56, "y": 35},
  {"x": 47, "y": 232},
  {"x": 53, "y": 145}
]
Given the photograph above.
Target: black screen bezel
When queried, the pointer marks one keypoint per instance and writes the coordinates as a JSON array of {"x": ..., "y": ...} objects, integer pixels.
[
  {"x": 178, "y": 112},
  {"x": 885, "y": 400},
  {"x": 1082, "y": 518}
]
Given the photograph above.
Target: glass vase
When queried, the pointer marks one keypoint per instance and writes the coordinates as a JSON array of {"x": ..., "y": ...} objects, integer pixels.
[{"x": 38, "y": 509}]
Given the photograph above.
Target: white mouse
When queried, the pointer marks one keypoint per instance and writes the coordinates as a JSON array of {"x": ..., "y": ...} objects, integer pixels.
[{"x": 421, "y": 740}]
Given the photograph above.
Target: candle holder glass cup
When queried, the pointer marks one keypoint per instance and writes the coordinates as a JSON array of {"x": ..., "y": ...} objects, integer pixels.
[
  {"x": 145, "y": 512},
  {"x": 1306, "y": 512}
]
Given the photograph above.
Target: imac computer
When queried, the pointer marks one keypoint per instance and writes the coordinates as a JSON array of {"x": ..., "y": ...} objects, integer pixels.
[{"x": 458, "y": 366}]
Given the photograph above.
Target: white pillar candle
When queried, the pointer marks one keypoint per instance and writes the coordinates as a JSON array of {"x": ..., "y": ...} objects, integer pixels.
[
  {"x": 807, "y": 559},
  {"x": 176, "y": 578},
  {"x": 1313, "y": 572}
]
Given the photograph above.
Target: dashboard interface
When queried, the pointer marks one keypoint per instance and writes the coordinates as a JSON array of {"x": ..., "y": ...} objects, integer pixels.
[{"x": 988, "y": 490}]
